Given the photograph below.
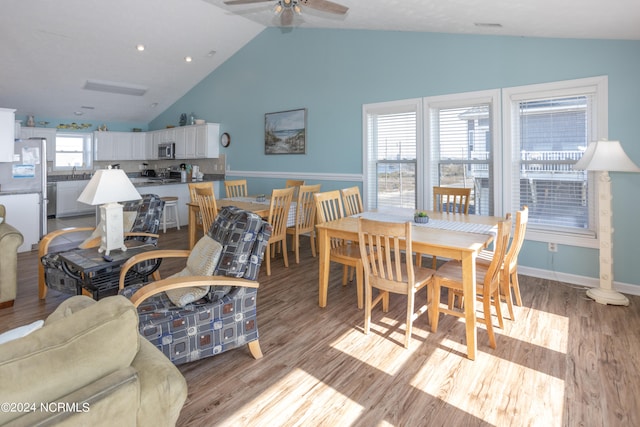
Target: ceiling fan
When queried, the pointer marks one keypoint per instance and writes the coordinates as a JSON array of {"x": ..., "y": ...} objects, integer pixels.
[{"x": 286, "y": 8}]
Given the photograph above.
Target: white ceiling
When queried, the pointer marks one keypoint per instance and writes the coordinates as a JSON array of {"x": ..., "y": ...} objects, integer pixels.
[{"x": 49, "y": 49}]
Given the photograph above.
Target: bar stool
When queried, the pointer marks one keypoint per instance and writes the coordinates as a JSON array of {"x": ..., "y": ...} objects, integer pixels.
[{"x": 170, "y": 202}]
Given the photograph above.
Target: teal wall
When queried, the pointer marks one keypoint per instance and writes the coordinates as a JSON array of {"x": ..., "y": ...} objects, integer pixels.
[{"x": 333, "y": 72}]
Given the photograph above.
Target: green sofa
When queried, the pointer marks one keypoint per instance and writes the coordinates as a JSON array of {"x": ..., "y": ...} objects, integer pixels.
[
  {"x": 88, "y": 365},
  {"x": 10, "y": 241}
]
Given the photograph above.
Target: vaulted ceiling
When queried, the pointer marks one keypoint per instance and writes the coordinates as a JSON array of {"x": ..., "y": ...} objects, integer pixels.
[{"x": 51, "y": 49}]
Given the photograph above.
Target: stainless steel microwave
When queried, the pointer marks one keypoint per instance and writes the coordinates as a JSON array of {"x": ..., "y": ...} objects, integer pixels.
[{"x": 167, "y": 150}]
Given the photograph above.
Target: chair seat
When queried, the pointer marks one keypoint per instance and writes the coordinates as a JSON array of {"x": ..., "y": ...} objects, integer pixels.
[
  {"x": 451, "y": 271},
  {"x": 347, "y": 254}
]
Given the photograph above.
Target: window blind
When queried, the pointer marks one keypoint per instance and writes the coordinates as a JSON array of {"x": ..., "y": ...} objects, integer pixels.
[
  {"x": 549, "y": 135},
  {"x": 391, "y": 158},
  {"x": 461, "y": 152}
]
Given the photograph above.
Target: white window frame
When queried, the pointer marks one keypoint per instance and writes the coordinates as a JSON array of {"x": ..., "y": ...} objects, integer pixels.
[
  {"x": 390, "y": 108},
  {"x": 87, "y": 151},
  {"x": 598, "y": 129},
  {"x": 434, "y": 103}
]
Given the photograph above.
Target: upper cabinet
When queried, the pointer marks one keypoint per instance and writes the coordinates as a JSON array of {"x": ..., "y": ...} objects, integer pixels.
[
  {"x": 48, "y": 133},
  {"x": 192, "y": 142},
  {"x": 7, "y": 134},
  {"x": 110, "y": 146}
]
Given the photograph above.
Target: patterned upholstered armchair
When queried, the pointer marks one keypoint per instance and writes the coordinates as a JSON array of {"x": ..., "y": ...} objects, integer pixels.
[
  {"x": 210, "y": 306},
  {"x": 142, "y": 220}
]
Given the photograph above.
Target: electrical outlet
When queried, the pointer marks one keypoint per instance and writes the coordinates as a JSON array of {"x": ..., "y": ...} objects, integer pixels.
[{"x": 553, "y": 247}]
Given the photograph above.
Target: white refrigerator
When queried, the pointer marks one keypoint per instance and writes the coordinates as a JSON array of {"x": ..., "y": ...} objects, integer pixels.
[{"x": 23, "y": 189}]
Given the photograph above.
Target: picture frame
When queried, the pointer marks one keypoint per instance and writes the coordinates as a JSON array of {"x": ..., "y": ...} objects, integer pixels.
[{"x": 285, "y": 132}]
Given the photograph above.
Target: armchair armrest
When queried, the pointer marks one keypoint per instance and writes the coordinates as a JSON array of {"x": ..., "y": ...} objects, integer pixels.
[
  {"x": 43, "y": 249},
  {"x": 185, "y": 282},
  {"x": 162, "y": 253}
]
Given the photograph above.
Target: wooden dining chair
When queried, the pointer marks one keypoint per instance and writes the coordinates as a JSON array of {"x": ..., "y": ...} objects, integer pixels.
[
  {"x": 509, "y": 271},
  {"x": 208, "y": 186},
  {"x": 388, "y": 267},
  {"x": 449, "y": 199},
  {"x": 295, "y": 183},
  {"x": 329, "y": 208},
  {"x": 278, "y": 216},
  {"x": 305, "y": 219},
  {"x": 352, "y": 200},
  {"x": 488, "y": 284},
  {"x": 206, "y": 200},
  {"x": 236, "y": 188}
]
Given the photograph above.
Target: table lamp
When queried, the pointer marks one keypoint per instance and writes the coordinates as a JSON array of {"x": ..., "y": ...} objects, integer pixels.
[
  {"x": 604, "y": 157},
  {"x": 106, "y": 188}
]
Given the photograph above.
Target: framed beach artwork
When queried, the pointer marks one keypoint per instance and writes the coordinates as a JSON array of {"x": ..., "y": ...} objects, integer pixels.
[{"x": 285, "y": 132}]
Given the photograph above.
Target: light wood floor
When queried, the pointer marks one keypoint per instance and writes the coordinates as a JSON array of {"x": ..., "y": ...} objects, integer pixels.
[{"x": 565, "y": 361}]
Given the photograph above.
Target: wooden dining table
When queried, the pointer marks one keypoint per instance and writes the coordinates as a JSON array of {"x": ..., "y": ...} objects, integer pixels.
[
  {"x": 447, "y": 235},
  {"x": 246, "y": 203}
]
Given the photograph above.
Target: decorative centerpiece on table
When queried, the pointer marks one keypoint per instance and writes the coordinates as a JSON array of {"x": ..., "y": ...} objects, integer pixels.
[{"x": 421, "y": 218}]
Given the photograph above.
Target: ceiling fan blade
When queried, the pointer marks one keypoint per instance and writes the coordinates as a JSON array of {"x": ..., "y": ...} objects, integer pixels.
[
  {"x": 287, "y": 17},
  {"x": 325, "y": 5},
  {"x": 234, "y": 2}
]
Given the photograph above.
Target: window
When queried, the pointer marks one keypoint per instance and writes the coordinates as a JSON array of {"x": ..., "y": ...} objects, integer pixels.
[
  {"x": 514, "y": 146},
  {"x": 547, "y": 129},
  {"x": 461, "y": 140},
  {"x": 73, "y": 150},
  {"x": 391, "y": 137}
]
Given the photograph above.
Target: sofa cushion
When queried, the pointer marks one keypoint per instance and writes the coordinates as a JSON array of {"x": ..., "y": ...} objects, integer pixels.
[
  {"x": 201, "y": 262},
  {"x": 76, "y": 347}
]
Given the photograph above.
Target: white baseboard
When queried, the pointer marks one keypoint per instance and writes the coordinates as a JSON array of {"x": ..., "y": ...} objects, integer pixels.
[{"x": 574, "y": 279}]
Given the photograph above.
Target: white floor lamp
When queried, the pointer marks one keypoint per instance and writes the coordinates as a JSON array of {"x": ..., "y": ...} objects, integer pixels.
[
  {"x": 604, "y": 157},
  {"x": 106, "y": 188}
]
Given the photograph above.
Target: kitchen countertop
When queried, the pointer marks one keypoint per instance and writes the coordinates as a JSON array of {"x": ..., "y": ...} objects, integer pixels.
[{"x": 146, "y": 182}]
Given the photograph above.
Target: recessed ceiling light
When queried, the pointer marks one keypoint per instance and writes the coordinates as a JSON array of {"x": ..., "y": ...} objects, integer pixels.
[
  {"x": 187, "y": 59},
  {"x": 154, "y": 105},
  {"x": 86, "y": 107},
  {"x": 140, "y": 47},
  {"x": 78, "y": 113},
  {"x": 211, "y": 53}
]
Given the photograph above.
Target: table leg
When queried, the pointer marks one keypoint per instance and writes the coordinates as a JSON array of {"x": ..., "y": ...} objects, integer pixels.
[
  {"x": 325, "y": 254},
  {"x": 192, "y": 226},
  {"x": 469, "y": 292}
]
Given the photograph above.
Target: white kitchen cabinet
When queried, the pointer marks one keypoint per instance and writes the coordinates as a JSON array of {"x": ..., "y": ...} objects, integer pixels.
[
  {"x": 192, "y": 142},
  {"x": 186, "y": 142},
  {"x": 207, "y": 136},
  {"x": 110, "y": 146},
  {"x": 23, "y": 213},
  {"x": 103, "y": 146},
  {"x": 7, "y": 134},
  {"x": 48, "y": 133},
  {"x": 138, "y": 146},
  {"x": 67, "y": 199}
]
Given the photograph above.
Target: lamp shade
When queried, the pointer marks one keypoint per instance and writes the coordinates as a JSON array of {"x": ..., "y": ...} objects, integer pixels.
[
  {"x": 109, "y": 186},
  {"x": 606, "y": 156}
]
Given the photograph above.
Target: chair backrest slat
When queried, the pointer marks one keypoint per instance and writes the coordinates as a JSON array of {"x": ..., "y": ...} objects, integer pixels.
[
  {"x": 351, "y": 200},
  {"x": 451, "y": 199},
  {"x": 236, "y": 188},
  {"x": 279, "y": 211},
  {"x": 206, "y": 201}
]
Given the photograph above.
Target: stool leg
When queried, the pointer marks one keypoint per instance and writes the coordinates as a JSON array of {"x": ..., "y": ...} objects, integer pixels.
[
  {"x": 175, "y": 212},
  {"x": 164, "y": 219}
]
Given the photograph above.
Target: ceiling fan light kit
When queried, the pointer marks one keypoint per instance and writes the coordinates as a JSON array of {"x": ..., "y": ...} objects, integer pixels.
[{"x": 286, "y": 8}]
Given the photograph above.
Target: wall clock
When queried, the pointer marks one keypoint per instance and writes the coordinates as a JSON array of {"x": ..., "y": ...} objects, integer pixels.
[{"x": 225, "y": 139}]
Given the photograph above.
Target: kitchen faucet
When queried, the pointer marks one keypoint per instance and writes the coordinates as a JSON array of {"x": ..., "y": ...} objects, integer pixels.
[{"x": 73, "y": 172}]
